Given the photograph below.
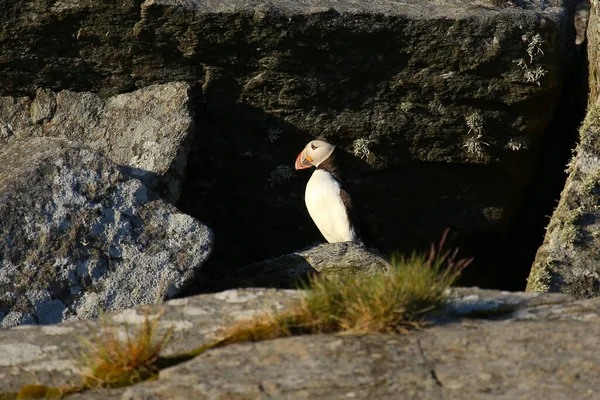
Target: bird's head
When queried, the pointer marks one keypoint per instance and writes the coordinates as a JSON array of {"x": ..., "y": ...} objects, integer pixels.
[{"x": 314, "y": 154}]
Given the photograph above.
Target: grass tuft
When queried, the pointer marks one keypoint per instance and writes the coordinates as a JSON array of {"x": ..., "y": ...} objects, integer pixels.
[
  {"x": 392, "y": 302},
  {"x": 111, "y": 362}
]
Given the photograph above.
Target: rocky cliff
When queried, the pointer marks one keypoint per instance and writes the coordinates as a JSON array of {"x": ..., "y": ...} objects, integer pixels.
[
  {"x": 146, "y": 152},
  {"x": 440, "y": 107},
  {"x": 567, "y": 261}
]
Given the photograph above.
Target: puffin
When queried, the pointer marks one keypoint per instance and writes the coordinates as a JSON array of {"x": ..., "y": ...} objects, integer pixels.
[{"x": 328, "y": 203}]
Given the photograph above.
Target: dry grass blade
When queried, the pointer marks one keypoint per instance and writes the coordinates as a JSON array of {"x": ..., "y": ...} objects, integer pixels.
[{"x": 112, "y": 362}]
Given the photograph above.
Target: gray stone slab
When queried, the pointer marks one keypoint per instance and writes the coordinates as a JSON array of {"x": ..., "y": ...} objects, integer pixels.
[
  {"x": 469, "y": 356},
  {"x": 467, "y": 360},
  {"x": 51, "y": 354}
]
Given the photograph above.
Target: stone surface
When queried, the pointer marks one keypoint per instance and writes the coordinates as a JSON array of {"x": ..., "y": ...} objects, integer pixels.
[
  {"x": 441, "y": 105},
  {"x": 568, "y": 260},
  {"x": 331, "y": 260},
  {"x": 148, "y": 132},
  {"x": 544, "y": 346},
  {"x": 78, "y": 237},
  {"x": 404, "y": 88},
  {"x": 471, "y": 360},
  {"x": 49, "y": 354},
  {"x": 474, "y": 302}
]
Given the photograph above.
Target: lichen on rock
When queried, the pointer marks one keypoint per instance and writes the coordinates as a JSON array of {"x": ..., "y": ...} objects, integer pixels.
[
  {"x": 568, "y": 260},
  {"x": 79, "y": 237}
]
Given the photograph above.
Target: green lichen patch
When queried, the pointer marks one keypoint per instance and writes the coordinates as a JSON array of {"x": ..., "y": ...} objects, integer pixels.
[
  {"x": 539, "y": 280},
  {"x": 571, "y": 230},
  {"x": 592, "y": 119},
  {"x": 590, "y": 130},
  {"x": 590, "y": 184},
  {"x": 540, "y": 277},
  {"x": 568, "y": 260}
]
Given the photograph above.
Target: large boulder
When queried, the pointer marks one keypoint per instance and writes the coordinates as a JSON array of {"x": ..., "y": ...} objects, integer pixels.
[
  {"x": 78, "y": 237},
  {"x": 440, "y": 108},
  {"x": 568, "y": 260},
  {"x": 148, "y": 132},
  {"x": 498, "y": 345},
  {"x": 441, "y": 105}
]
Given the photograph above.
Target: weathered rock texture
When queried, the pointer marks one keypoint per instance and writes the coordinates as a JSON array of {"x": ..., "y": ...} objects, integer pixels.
[
  {"x": 50, "y": 353},
  {"x": 331, "y": 260},
  {"x": 473, "y": 360},
  {"x": 79, "y": 237},
  {"x": 148, "y": 131},
  {"x": 442, "y": 104},
  {"x": 568, "y": 261},
  {"x": 438, "y": 108},
  {"x": 520, "y": 346}
]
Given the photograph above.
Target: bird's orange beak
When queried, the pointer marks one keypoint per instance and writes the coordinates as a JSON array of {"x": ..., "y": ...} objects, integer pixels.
[{"x": 303, "y": 161}]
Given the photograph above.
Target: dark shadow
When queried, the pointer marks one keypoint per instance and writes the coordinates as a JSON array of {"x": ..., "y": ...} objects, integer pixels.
[
  {"x": 288, "y": 272},
  {"x": 407, "y": 204},
  {"x": 507, "y": 256},
  {"x": 405, "y": 208}
]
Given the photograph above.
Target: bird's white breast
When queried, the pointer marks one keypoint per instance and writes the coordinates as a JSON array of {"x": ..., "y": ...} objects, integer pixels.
[{"x": 326, "y": 208}]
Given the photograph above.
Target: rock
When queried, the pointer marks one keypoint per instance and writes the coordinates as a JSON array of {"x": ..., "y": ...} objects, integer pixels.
[
  {"x": 78, "y": 237},
  {"x": 148, "y": 132},
  {"x": 343, "y": 260},
  {"x": 568, "y": 260},
  {"x": 471, "y": 360},
  {"x": 487, "y": 357},
  {"x": 51, "y": 354},
  {"x": 406, "y": 89},
  {"x": 330, "y": 260},
  {"x": 441, "y": 105},
  {"x": 475, "y": 303}
]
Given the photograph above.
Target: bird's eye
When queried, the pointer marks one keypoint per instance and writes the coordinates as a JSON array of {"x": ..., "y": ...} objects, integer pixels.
[{"x": 312, "y": 146}]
